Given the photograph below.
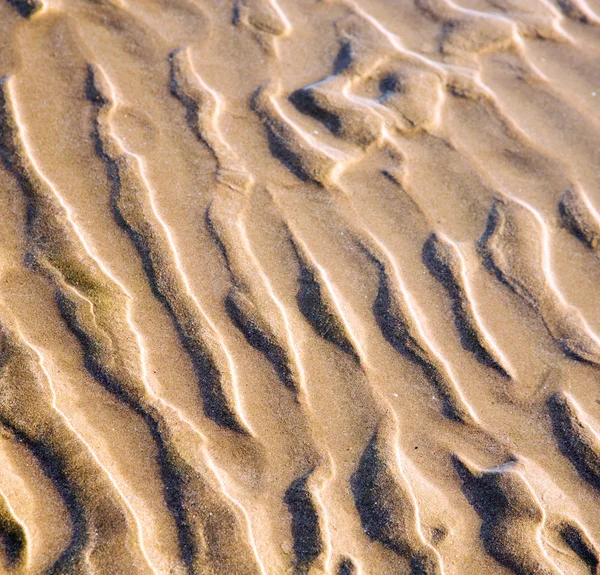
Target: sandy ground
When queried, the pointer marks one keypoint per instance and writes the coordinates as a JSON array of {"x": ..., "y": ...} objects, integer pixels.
[{"x": 300, "y": 287}]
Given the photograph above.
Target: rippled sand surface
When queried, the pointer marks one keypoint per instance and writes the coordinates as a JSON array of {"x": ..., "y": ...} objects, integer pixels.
[{"x": 300, "y": 287}]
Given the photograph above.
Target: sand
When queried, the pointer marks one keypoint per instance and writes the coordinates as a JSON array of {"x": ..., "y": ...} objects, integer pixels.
[{"x": 300, "y": 287}]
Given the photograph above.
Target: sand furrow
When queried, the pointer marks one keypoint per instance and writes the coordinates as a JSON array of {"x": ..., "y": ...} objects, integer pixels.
[
  {"x": 203, "y": 107},
  {"x": 446, "y": 263},
  {"x": 501, "y": 247},
  {"x": 26, "y": 8},
  {"x": 62, "y": 453},
  {"x": 14, "y": 536},
  {"x": 576, "y": 538},
  {"x": 398, "y": 318},
  {"x": 512, "y": 517},
  {"x": 111, "y": 360},
  {"x": 306, "y": 531},
  {"x": 576, "y": 439},
  {"x": 291, "y": 138},
  {"x": 129, "y": 190},
  {"x": 579, "y": 216},
  {"x": 387, "y": 507}
]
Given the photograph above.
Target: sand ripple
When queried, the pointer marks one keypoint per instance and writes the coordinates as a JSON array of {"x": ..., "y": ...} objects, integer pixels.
[{"x": 299, "y": 287}]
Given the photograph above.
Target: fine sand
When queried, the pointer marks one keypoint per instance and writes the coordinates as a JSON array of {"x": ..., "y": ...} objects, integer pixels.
[{"x": 301, "y": 287}]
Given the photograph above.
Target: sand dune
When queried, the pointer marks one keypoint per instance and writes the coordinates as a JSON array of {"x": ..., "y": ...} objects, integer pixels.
[{"x": 300, "y": 287}]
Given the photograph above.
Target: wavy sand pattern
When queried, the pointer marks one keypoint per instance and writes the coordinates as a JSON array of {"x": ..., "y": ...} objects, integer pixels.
[{"x": 300, "y": 287}]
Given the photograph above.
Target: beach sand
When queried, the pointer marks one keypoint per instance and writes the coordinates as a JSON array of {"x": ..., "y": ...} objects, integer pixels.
[{"x": 302, "y": 287}]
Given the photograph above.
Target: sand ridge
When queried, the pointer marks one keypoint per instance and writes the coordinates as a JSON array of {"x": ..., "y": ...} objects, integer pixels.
[{"x": 299, "y": 287}]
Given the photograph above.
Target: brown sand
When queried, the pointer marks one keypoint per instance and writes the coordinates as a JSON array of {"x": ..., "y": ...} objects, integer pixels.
[{"x": 300, "y": 287}]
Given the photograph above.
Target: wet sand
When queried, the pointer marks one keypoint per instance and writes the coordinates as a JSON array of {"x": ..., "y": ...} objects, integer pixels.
[{"x": 300, "y": 287}]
